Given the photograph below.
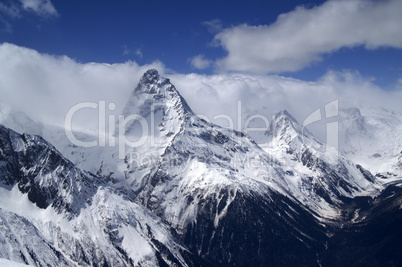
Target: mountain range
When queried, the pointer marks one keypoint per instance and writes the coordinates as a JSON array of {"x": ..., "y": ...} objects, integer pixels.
[{"x": 192, "y": 193}]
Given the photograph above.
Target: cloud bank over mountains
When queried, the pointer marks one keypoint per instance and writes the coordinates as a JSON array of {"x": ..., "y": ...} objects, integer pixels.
[{"x": 46, "y": 87}]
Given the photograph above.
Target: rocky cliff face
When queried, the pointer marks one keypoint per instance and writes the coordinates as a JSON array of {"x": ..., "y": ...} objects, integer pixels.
[{"x": 53, "y": 213}]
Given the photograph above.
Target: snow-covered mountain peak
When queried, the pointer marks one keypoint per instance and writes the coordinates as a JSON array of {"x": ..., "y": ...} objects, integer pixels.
[
  {"x": 39, "y": 170},
  {"x": 283, "y": 124},
  {"x": 18, "y": 120},
  {"x": 351, "y": 113},
  {"x": 156, "y": 90},
  {"x": 284, "y": 115},
  {"x": 149, "y": 76},
  {"x": 371, "y": 137},
  {"x": 155, "y": 113},
  {"x": 150, "y": 82},
  {"x": 285, "y": 131}
]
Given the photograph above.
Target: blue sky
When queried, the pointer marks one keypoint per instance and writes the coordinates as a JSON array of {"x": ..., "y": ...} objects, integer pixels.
[
  {"x": 170, "y": 31},
  {"x": 194, "y": 36}
]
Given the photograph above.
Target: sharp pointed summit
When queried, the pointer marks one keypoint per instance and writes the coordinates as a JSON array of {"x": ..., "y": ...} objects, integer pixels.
[
  {"x": 150, "y": 82},
  {"x": 155, "y": 91}
]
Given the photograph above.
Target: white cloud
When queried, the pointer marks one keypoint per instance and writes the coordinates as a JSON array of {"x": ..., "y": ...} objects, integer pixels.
[
  {"x": 46, "y": 87},
  {"x": 214, "y": 26},
  {"x": 8, "y": 11},
  {"x": 200, "y": 62},
  {"x": 221, "y": 94},
  {"x": 303, "y": 36},
  {"x": 11, "y": 11},
  {"x": 126, "y": 51},
  {"x": 398, "y": 84},
  {"x": 137, "y": 52},
  {"x": 212, "y": 95},
  {"x": 5, "y": 26},
  {"x": 40, "y": 7}
]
